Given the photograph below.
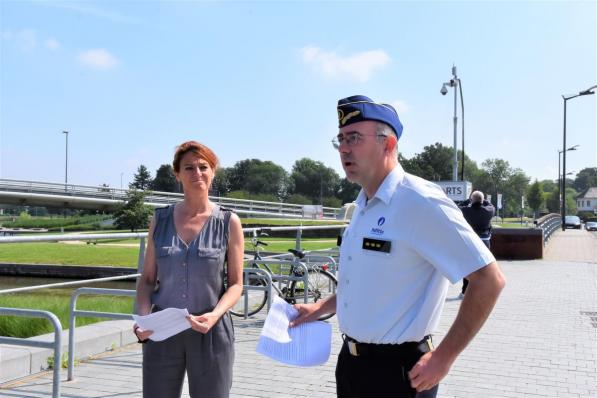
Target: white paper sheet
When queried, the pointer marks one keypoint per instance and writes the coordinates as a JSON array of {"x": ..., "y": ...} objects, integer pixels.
[
  {"x": 165, "y": 323},
  {"x": 308, "y": 344}
]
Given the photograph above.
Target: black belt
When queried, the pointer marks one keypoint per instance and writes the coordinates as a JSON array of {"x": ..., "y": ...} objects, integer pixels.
[{"x": 387, "y": 350}]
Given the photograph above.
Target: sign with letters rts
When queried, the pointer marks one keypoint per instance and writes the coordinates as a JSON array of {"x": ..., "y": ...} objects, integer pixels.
[{"x": 456, "y": 190}]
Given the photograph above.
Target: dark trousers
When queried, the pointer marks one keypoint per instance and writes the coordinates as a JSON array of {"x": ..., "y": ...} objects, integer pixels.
[
  {"x": 367, "y": 376},
  {"x": 207, "y": 360},
  {"x": 465, "y": 281}
]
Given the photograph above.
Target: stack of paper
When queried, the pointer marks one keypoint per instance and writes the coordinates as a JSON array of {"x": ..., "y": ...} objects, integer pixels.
[{"x": 307, "y": 344}]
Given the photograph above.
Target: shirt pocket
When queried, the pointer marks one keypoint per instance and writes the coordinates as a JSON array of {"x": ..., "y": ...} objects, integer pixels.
[{"x": 209, "y": 263}]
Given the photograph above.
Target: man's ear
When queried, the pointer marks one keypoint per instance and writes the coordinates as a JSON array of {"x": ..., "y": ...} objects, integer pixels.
[{"x": 391, "y": 142}]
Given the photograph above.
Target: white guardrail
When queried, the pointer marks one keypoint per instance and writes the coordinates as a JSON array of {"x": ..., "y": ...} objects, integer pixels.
[{"x": 34, "y": 193}]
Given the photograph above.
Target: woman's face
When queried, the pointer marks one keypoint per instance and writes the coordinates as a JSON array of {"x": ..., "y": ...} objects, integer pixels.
[{"x": 195, "y": 172}]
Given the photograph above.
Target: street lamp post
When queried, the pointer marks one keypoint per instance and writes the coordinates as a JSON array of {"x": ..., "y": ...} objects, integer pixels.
[
  {"x": 588, "y": 91},
  {"x": 456, "y": 82},
  {"x": 123, "y": 173},
  {"x": 572, "y": 148},
  {"x": 66, "y": 160}
]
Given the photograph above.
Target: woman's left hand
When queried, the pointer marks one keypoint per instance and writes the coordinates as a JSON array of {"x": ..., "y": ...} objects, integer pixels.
[{"x": 204, "y": 322}]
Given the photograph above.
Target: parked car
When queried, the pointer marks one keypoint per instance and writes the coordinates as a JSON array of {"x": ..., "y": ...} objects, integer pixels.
[
  {"x": 591, "y": 225},
  {"x": 573, "y": 222}
]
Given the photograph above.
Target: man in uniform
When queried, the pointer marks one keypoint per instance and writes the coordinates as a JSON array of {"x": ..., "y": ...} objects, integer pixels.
[
  {"x": 478, "y": 213},
  {"x": 405, "y": 243}
]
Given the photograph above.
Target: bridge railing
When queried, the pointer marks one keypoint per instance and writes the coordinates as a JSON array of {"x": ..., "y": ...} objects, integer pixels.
[
  {"x": 157, "y": 197},
  {"x": 549, "y": 224}
]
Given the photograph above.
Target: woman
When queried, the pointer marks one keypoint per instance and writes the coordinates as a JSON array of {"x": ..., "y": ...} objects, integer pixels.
[{"x": 188, "y": 244}]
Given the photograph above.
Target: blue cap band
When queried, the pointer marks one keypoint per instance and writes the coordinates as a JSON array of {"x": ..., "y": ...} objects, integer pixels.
[{"x": 359, "y": 108}]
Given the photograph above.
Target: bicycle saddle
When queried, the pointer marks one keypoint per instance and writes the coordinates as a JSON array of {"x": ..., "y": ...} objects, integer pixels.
[{"x": 298, "y": 253}]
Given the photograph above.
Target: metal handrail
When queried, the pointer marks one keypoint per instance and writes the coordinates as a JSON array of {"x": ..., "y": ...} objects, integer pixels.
[
  {"x": 548, "y": 224},
  {"x": 96, "y": 314},
  {"x": 56, "y": 344}
]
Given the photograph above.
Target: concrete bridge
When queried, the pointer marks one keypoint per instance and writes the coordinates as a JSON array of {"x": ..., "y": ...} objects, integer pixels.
[{"x": 35, "y": 193}]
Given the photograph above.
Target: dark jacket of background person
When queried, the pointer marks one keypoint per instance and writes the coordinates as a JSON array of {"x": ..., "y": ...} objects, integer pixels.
[{"x": 479, "y": 215}]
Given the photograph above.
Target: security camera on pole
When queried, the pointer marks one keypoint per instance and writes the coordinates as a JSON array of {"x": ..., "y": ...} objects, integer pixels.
[{"x": 456, "y": 190}]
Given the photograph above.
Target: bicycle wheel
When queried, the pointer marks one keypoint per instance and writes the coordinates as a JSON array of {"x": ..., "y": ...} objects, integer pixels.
[
  {"x": 257, "y": 299},
  {"x": 322, "y": 284}
]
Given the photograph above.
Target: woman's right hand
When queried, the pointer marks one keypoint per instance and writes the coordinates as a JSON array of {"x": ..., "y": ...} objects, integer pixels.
[{"x": 141, "y": 334}]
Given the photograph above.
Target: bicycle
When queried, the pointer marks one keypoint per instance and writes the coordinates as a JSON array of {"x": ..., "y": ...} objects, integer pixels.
[{"x": 320, "y": 282}]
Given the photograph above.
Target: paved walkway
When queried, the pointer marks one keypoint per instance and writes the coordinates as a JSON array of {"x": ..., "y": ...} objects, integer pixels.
[{"x": 541, "y": 341}]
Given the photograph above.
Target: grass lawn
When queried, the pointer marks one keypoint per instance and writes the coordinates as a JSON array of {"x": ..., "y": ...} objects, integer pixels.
[
  {"x": 56, "y": 301},
  {"x": 68, "y": 254}
]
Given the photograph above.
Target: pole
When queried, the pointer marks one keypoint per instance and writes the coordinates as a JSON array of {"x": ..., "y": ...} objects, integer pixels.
[
  {"x": 455, "y": 162},
  {"x": 559, "y": 182},
  {"x": 462, "y": 128},
  {"x": 563, "y": 192}
]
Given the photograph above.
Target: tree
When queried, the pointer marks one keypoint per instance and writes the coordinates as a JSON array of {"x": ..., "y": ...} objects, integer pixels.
[
  {"x": 164, "y": 180},
  {"x": 348, "y": 191},
  {"x": 142, "y": 179},
  {"x": 314, "y": 180},
  {"x": 259, "y": 177},
  {"x": 552, "y": 201},
  {"x": 134, "y": 213},
  {"x": 535, "y": 197},
  {"x": 220, "y": 186},
  {"x": 586, "y": 178}
]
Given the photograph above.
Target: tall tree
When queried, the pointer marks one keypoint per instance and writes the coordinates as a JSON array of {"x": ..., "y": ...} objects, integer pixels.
[
  {"x": 314, "y": 180},
  {"x": 586, "y": 178},
  {"x": 258, "y": 177},
  {"x": 348, "y": 191},
  {"x": 134, "y": 213},
  {"x": 164, "y": 180},
  {"x": 141, "y": 179},
  {"x": 535, "y": 197},
  {"x": 221, "y": 183}
]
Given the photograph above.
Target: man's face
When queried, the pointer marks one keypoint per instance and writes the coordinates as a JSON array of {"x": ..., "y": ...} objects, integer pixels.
[{"x": 361, "y": 151}]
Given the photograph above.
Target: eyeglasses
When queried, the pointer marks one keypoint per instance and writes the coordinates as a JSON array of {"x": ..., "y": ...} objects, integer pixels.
[{"x": 352, "y": 139}]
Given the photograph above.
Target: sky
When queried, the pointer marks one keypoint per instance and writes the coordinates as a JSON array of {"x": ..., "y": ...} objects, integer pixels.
[{"x": 130, "y": 80}]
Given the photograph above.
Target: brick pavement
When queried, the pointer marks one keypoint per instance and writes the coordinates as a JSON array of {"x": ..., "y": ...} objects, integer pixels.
[{"x": 541, "y": 341}]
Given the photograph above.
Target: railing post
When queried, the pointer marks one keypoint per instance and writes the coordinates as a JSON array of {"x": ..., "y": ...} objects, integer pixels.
[
  {"x": 299, "y": 232},
  {"x": 71, "y": 336}
]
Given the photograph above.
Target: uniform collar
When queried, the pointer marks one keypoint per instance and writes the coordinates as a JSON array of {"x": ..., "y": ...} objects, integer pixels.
[{"x": 386, "y": 189}]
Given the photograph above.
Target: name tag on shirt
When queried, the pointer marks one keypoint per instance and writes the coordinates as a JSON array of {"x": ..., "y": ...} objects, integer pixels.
[{"x": 377, "y": 245}]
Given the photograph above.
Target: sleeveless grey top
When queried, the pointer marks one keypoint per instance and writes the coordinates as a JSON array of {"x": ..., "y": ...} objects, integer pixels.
[{"x": 190, "y": 276}]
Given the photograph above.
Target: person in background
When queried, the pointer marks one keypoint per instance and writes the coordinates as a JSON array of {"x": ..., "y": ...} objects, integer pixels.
[
  {"x": 188, "y": 245},
  {"x": 406, "y": 241},
  {"x": 478, "y": 212}
]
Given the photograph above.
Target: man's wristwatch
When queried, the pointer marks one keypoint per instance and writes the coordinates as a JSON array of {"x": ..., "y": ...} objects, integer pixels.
[{"x": 138, "y": 339}]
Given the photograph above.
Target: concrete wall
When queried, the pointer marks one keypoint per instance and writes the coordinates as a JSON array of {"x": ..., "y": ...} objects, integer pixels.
[{"x": 517, "y": 243}]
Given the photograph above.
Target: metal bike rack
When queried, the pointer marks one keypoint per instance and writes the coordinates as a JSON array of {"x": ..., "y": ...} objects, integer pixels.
[
  {"x": 96, "y": 314},
  {"x": 56, "y": 344},
  {"x": 254, "y": 264},
  {"x": 259, "y": 274}
]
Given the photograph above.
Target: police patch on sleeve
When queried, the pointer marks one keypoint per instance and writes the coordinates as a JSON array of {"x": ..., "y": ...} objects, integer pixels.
[{"x": 377, "y": 245}]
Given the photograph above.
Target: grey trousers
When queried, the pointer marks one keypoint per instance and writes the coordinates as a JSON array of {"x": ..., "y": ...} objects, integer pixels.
[{"x": 206, "y": 358}]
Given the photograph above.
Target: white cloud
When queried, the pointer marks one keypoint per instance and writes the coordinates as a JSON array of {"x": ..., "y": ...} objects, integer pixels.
[
  {"x": 52, "y": 44},
  {"x": 359, "y": 66},
  {"x": 98, "y": 59}
]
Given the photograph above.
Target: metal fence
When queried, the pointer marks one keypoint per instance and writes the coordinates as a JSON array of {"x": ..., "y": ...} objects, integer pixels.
[{"x": 549, "y": 224}]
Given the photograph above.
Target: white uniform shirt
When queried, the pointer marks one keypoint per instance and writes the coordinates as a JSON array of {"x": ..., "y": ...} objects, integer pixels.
[{"x": 399, "y": 296}]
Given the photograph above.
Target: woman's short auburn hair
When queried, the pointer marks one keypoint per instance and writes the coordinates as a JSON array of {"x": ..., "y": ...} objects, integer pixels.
[{"x": 198, "y": 149}]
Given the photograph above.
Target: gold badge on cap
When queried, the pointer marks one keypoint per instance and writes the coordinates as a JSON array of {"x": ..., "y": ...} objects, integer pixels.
[{"x": 347, "y": 117}]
